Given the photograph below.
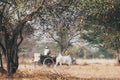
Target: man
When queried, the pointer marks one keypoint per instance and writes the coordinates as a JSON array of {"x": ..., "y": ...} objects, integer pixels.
[{"x": 47, "y": 51}]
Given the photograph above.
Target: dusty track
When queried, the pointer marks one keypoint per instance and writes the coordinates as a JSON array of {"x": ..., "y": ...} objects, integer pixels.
[{"x": 73, "y": 72}]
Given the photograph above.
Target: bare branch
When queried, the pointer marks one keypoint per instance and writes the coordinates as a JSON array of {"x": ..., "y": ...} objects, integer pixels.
[{"x": 21, "y": 39}]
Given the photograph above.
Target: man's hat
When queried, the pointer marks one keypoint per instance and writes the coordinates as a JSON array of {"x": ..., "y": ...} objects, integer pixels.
[{"x": 46, "y": 47}]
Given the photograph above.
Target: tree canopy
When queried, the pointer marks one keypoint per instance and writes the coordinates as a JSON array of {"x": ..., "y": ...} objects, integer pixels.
[
  {"x": 102, "y": 17},
  {"x": 105, "y": 19}
]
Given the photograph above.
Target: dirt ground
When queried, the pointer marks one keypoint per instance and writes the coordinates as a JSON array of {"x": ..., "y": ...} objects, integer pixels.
[{"x": 73, "y": 72}]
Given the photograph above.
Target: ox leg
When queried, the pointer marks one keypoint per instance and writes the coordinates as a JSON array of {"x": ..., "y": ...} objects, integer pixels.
[
  {"x": 68, "y": 64},
  {"x": 60, "y": 63},
  {"x": 56, "y": 64}
]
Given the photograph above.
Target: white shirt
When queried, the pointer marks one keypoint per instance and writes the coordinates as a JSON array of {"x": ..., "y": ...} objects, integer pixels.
[{"x": 46, "y": 51}]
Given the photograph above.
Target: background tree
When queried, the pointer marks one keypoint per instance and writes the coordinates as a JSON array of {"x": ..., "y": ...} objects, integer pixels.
[
  {"x": 61, "y": 21},
  {"x": 103, "y": 16}
]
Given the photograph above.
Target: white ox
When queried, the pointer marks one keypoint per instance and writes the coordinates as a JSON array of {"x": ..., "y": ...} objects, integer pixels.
[{"x": 63, "y": 60}]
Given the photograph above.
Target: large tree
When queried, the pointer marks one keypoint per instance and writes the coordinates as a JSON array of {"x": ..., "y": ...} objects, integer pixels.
[
  {"x": 13, "y": 19},
  {"x": 62, "y": 23}
]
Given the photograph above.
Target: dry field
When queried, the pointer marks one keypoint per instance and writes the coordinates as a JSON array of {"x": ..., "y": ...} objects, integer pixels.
[{"x": 84, "y": 70}]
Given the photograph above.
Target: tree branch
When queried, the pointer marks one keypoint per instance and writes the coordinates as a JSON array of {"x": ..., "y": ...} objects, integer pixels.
[
  {"x": 29, "y": 16},
  {"x": 4, "y": 1},
  {"x": 21, "y": 37},
  {"x": 54, "y": 38},
  {"x": 3, "y": 48},
  {"x": 73, "y": 36}
]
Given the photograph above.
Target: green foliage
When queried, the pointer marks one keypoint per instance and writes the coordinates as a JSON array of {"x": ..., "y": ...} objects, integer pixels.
[
  {"x": 104, "y": 53},
  {"x": 104, "y": 13},
  {"x": 93, "y": 38},
  {"x": 93, "y": 35},
  {"x": 101, "y": 56},
  {"x": 81, "y": 53}
]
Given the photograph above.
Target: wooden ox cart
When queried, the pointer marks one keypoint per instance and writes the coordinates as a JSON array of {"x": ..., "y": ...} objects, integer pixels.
[{"x": 47, "y": 60}]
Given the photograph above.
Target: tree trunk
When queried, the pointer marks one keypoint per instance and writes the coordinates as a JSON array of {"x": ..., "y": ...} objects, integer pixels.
[
  {"x": 12, "y": 62},
  {"x": 12, "y": 56},
  {"x": 85, "y": 54},
  {"x": 118, "y": 56},
  {"x": 61, "y": 49},
  {"x": 1, "y": 64}
]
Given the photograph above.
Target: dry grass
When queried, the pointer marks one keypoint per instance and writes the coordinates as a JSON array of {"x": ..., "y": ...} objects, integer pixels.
[
  {"x": 96, "y": 61},
  {"x": 92, "y": 70}
]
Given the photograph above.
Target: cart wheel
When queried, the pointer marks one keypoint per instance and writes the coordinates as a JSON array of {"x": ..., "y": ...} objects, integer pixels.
[{"x": 48, "y": 62}]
